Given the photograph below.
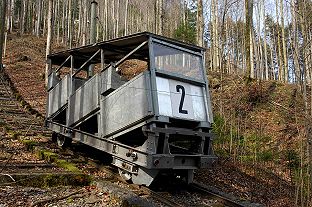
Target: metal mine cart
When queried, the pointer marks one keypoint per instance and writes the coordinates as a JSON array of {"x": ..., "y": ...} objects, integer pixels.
[{"x": 142, "y": 98}]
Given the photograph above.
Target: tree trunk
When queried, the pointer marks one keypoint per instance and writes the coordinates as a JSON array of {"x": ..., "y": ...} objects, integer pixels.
[
  {"x": 113, "y": 19},
  {"x": 63, "y": 21},
  {"x": 9, "y": 15},
  {"x": 58, "y": 22},
  {"x": 3, "y": 9},
  {"x": 106, "y": 19},
  {"x": 43, "y": 19},
  {"x": 214, "y": 41},
  {"x": 126, "y": 18},
  {"x": 266, "y": 68},
  {"x": 248, "y": 40},
  {"x": 84, "y": 26},
  {"x": 92, "y": 32},
  {"x": 70, "y": 24},
  {"x": 39, "y": 14},
  {"x": 78, "y": 42},
  {"x": 200, "y": 23},
  {"x": 285, "y": 61},
  {"x": 93, "y": 22},
  {"x": 117, "y": 18},
  {"x": 223, "y": 39},
  {"x": 279, "y": 52},
  {"x": 160, "y": 16},
  {"x": 22, "y": 17},
  {"x": 49, "y": 39}
]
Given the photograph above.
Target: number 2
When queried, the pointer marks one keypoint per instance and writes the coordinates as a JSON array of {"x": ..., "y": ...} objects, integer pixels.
[{"x": 182, "y": 99}]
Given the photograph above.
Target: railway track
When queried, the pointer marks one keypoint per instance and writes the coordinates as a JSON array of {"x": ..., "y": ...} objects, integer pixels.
[
  {"x": 13, "y": 117},
  {"x": 216, "y": 200},
  {"x": 164, "y": 198},
  {"x": 161, "y": 197},
  {"x": 221, "y": 199},
  {"x": 168, "y": 199}
]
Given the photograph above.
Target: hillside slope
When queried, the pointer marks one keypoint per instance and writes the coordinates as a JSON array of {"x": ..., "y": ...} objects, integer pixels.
[{"x": 256, "y": 126}]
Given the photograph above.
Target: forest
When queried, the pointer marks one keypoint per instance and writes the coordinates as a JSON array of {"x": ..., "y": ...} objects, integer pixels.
[{"x": 264, "y": 44}]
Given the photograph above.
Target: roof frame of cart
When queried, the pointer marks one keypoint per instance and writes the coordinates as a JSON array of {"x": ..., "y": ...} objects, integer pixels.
[{"x": 116, "y": 51}]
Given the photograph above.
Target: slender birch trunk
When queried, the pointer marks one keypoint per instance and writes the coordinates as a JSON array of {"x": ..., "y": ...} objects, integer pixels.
[
  {"x": 285, "y": 61},
  {"x": 200, "y": 23},
  {"x": 3, "y": 9},
  {"x": 248, "y": 39},
  {"x": 49, "y": 38}
]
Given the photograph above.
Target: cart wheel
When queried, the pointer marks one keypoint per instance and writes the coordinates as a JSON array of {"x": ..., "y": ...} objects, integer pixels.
[
  {"x": 125, "y": 175},
  {"x": 63, "y": 141}
]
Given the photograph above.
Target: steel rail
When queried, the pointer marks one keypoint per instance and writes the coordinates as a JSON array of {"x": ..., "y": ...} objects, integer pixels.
[
  {"x": 221, "y": 199},
  {"x": 159, "y": 197},
  {"x": 27, "y": 165}
]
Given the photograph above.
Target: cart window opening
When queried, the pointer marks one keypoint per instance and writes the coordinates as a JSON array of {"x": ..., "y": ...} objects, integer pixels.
[
  {"x": 61, "y": 117},
  {"x": 132, "y": 67},
  {"x": 177, "y": 61},
  {"x": 90, "y": 126}
]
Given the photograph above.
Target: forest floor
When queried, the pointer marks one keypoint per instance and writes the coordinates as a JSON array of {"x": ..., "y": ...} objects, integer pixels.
[{"x": 262, "y": 183}]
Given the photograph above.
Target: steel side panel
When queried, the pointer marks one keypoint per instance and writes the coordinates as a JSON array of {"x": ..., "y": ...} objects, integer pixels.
[
  {"x": 53, "y": 80},
  {"x": 110, "y": 80},
  {"x": 84, "y": 100},
  {"x": 126, "y": 105},
  {"x": 58, "y": 96}
]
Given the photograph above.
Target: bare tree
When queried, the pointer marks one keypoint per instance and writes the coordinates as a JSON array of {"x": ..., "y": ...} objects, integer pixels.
[
  {"x": 285, "y": 61},
  {"x": 159, "y": 16},
  {"x": 70, "y": 23},
  {"x": 39, "y": 17},
  {"x": 248, "y": 39},
  {"x": 49, "y": 38},
  {"x": 126, "y": 18},
  {"x": 266, "y": 68},
  {"x": 200, "y": 23},
  {"x": 3, "y": 9}
]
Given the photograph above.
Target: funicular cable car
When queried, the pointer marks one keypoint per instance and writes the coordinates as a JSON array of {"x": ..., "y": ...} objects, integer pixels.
[{"x": 156, "y": 121}]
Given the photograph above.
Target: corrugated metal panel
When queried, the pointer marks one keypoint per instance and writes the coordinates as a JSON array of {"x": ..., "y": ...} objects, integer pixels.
[
  {"x": 126, "y": 105},
  {"x": 57, "y": 97},
  {"x": 84, "y": 100}
]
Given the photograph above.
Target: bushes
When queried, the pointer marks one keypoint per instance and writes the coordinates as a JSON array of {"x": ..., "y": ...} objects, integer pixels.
[
  {"x": 229, "y": 142},
  {"x": 293, "y": 160}
]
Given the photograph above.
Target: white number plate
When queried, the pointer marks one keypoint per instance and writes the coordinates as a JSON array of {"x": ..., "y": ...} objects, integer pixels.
[{"x": 181, "y": 100}]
